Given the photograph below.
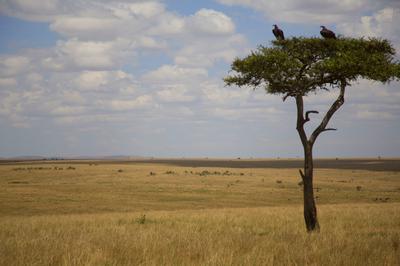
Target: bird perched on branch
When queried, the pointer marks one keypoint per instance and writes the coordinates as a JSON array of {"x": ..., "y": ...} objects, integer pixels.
[
  {"x": 278, "y": 33},
  {"x": 327, "y": 34}
]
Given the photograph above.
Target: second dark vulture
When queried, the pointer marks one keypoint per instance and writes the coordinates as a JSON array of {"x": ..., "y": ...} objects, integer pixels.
[
  {"x": 278, "y": 33},
  {"x": 327, "y": 34}
]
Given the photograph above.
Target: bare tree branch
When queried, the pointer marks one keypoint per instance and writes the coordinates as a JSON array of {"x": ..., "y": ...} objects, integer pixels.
[
  {"x": 286, "y": 96},
  {"x": 329, "y": 129},
  {"x": 300, "y": 120},
  {"x": 308, "y": 113},
  {"x": 301, "y": 174},
  {"x": 335, "y": 106}
]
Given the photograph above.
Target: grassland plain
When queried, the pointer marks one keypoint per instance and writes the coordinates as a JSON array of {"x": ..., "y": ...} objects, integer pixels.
[{"x": 114, "y": 213}]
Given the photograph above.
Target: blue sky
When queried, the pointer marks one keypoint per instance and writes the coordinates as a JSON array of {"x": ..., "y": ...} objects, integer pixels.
[{"x": 145, "y": 78}]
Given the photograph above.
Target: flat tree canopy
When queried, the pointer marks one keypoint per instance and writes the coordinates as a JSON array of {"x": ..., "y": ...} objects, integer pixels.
[{"x": 297, "y": 66}]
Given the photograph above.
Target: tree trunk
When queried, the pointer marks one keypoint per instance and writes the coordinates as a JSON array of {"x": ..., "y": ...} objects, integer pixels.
[{"x": 310, "y": 210}]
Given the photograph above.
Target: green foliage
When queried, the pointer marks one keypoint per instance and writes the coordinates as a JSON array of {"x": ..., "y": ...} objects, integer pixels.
[{"x": 298, "y": 66}]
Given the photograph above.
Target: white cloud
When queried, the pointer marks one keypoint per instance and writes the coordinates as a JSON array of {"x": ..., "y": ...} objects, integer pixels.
[
  {"x": 175, "y": 94},
  {"x": 72, "y": 94},
  {"x": 229, "y": 114},
  {"x": 7, "y": 82},
  {"x": 110, "y": 21},
  {"x": 168, "y": 25},
  {"x": 49, "y": 10},
  {"x": 81, "y": 26},
  {"x": 119, "y": 83},
  {"x": 85, "y": 121},
  {"x": 52, "y": 63},
  {"x": 383, "y": 23},
  {"x": 175, "y": 74},
  {"x": 247, "y": 113},
  {"x": 13, "y": 65},
  {"x": 218, "y": 95},
  {"x": 104, "y": 35},
  {"x": 32, "y": 5},
  {"x": 73, "y": 97},
  {"x": 306, "y": 11},
  {"x": 93, "y": 55},
  {"x": 34, "y": 78},
  {"x": 198, "y": 52},
  {"x": 374, "y": 115},
  {"x": 351, "y": 17},
  {"x": 92, "y": 79},
  {"x": 146, "y": 9},
  {"x": 142, "y": 101},
  {"x": 150, "y": 43},
  {"x": 11, "y": 106},
  {"x": 30, "y": 9},
  {"x": 210, "y": 22},
  {"x": 68, "y": 110}
]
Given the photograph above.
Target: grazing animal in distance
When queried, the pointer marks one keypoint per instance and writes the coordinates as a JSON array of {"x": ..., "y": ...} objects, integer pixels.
[
  {"x": 278, "y": 33},
  {"x": 327, "y": 34}
]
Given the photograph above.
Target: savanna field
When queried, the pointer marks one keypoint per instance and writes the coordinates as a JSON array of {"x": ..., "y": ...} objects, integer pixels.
[{"x": 204, "y": 212}]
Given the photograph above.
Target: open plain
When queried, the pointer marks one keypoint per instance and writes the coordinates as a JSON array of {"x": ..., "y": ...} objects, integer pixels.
[{"x": 197, "y": 212}]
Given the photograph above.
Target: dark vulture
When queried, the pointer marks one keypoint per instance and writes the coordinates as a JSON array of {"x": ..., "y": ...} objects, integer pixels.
[
  {"x": 278, "y": 33},
  {"x": 327, "y": 34}
]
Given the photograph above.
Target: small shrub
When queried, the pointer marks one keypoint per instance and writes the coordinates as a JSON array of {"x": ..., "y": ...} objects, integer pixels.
[
  {"x": 141, "y": 219},
  {"x": 358, "y": 188},
  {"x": 170, "y": 173},
  {"x": 120, "y": 170},
  {"x": 205, "y": 172},
  {"x": 382, "y": 199},
  {"x": 279, "y": 181}
]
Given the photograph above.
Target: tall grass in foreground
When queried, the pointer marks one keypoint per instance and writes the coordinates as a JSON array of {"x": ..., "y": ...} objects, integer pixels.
[{"x": 351, "y": 234}]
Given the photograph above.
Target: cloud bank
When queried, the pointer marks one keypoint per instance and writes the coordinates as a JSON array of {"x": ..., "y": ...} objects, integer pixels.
[{"x": 137, "y": 74}]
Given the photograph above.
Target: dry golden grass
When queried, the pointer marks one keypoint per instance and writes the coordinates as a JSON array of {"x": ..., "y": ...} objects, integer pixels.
[
  {"x": 93, "y": 215},
  {"x": 362, "y": 234}
]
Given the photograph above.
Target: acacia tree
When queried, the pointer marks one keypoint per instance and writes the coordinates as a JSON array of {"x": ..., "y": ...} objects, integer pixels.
[{"x": 297, "y": 67}]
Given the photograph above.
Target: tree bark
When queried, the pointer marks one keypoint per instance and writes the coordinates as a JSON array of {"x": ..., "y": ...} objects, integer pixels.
[{"x": 310, "y": 210}]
